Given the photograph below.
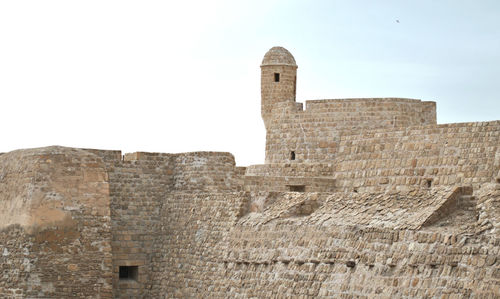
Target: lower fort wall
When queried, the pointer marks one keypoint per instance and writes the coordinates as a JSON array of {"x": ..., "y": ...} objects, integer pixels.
[
  {"x": 186, "y": 262},
  {"x": 283, "y": 260},
  {"x": 209, "y": 247}
]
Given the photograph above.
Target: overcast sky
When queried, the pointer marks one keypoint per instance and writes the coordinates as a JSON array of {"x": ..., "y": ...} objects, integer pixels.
[{"x": 177, "y": 76}]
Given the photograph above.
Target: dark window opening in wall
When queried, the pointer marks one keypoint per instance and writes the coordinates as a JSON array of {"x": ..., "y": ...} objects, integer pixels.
[
  {"x": 276, "y": 77},
  {"x": 429, "y": 183},
  {"x": 294, "y": 86},
  {"x": 292, "y": 155},
  {"x": 297, "y": 188},
  {"x": 129, "y": 272}
]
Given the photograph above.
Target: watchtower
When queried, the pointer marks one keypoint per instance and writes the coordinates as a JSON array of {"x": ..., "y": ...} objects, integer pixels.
[{"x": 278, "y": 80}]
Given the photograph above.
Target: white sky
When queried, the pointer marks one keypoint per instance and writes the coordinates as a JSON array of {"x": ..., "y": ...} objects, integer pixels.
[{"x": 176, "y": 76}]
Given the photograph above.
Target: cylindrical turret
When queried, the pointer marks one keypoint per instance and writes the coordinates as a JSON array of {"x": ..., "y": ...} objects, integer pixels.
[{"x": 278, "y": 80}]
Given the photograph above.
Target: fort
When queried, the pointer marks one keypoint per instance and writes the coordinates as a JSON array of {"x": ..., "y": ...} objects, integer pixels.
[{"x": 358, "y": 198}]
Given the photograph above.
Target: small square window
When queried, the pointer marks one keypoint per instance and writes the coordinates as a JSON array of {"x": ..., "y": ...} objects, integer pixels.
[
  {"x": 292, "y": 155},
  {"x": 276, "y": 77},
  {"x": 297, "y": 188},
  {"x": 129, "y": 272},
  {"x": 429, "y": 183}
]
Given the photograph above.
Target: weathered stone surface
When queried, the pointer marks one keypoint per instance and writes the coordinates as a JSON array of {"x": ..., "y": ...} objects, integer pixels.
[
  {"x": 364, "y": 198},
  {"x": 54, "y": 224}
]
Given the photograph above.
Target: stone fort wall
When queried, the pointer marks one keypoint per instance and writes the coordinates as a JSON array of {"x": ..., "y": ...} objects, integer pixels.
[
  {"x": 386, "y": 204},
  {"x": 144, "y": 219},
  {"x": 211, "y": 246},
  {"x": 193, "y": 242},
  {"x": 313, "y": 133},
  {"x": 378, "y": 159},
  {"x": 55, "y": 226},
  {"x": 60, "y": 245}
]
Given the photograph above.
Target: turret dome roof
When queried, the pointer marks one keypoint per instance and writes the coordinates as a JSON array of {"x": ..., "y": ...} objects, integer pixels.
[{"x": 278, "y": 56}]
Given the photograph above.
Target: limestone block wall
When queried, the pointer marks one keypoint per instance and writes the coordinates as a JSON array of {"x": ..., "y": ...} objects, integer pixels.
[
  {"x": 315, "y": 177},
  {"x": 284, "y": 184},
  {"x": 326, "y": 169},
  {"x": 55, "y": 237},
  {"x": 137, "y": 189},
  {"x": 205, "y": 171},
  {"x": 291, "y": 260},
  {"x": 381, "y": 159},
  {"x": 212, "y": 245},
  {"x": 447, "y": 154},
  {"x": 16, "y": 259},
  {"x": 489, "y": 207},
  {"x": 186, "y": 261},
  {"x": 312, "y": 134},
  {"x": 141, "y": 185}
]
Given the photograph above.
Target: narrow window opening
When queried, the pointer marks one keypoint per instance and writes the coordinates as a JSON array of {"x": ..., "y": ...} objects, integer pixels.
[
  {"x": 297, "y": 188},
  {"x": 429, "y": 183},
  {"x": 129, "y": 272},
  {"x": 498, "y": 180},
  {"x": 292, "y": 155},
  {"x": 276, "y": 77},
  {"x": 294, "y": 87}
]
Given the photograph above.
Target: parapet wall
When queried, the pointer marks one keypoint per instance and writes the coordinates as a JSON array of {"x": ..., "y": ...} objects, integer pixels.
[
  {"x": 312, "y": 133},
  {"x": 205, "y": 171}
]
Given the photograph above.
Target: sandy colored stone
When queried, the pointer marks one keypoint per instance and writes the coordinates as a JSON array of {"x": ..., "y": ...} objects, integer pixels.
[{"x": 357, "y": 197}]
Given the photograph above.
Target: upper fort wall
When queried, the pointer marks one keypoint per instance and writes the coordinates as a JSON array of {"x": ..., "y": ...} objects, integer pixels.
[
  {"x": 302, "y": 132},
  {"x": 370, "y": 160},
  {"x": 293, "y": 133}
]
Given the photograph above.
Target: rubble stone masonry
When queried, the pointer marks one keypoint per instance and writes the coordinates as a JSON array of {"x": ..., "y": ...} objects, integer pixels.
[{"x": 358, "y": 198}]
